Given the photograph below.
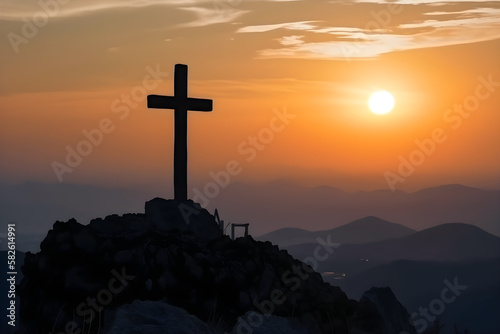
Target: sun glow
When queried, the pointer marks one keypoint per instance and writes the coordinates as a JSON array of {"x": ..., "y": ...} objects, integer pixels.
[{"x": 381, "y": 102}]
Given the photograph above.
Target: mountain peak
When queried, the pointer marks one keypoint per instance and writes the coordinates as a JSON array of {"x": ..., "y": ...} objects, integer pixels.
[
  {"x": 455, "y": 229},
  {"x": 363, "y": 230},
  {"x": 369, "y": 220},
  {"x": 369, "y": 229}
]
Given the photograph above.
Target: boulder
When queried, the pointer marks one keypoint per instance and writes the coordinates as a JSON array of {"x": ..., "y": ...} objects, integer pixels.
[
  {"x": 256, "y": 323},
  {"x": 181, "y": 216},
  {"x": 395, "y": 316},
  {"x": 153, "y": 317}
]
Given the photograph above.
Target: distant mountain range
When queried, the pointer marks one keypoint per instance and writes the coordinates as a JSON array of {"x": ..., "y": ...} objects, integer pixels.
[
  {"x": 36, "y": 206},
  {"x": 414, "y": 265},
  {"x": 454, "y": 242},
  {"x": 365, "y": 230},
  {"x": 266, "y": 206},
  {"x": 277, "y": 205}
]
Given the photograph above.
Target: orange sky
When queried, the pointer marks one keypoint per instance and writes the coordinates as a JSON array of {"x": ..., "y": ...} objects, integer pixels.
[{"x": 316, "y": 62}]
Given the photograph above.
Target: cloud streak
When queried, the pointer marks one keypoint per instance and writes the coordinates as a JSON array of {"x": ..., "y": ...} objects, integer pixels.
[
  {"x": 301, "y": 25},
  {"x": 420, "y": 2},
  {"x": 445, "y": 29},
  {"x": 13, "y": 10},
  {"x": 208, "y": 16}
]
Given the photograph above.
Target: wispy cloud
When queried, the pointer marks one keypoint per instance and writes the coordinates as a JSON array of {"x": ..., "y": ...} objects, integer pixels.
[
  {"x": 372, "y": 46},
  {"x": 302, "y": 25},
  {"x": 205, "y": 12},
  {"x": 418, "y": 2},
  {"x": 291, "y": 40},
  {"x": 446, "y": 28},
  {"x": 208, "y": 16},
  {"x": 480, "y": 17},
  {"x": 13, "y": 9}
]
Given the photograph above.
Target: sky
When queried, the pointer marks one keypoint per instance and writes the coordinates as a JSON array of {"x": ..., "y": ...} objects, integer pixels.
[{"x": 290, "y": 82}]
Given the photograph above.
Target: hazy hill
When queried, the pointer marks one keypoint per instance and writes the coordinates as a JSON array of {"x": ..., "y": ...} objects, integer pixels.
[
  {"x": 364, "y": 230},
  {"x": 282, "y": 204},
  {"x": 266, "y": 206},
  {"x": 36, "y": 206},
  {"x": 448, "y": 242}
]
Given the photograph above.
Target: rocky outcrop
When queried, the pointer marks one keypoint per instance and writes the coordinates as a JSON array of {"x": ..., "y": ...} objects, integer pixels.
[
  {"x": 148, "y": 317},
  {"x": 170, "y": 215},
  {"x": 154, "y": 317},
  {"x": 394, "y": 316},
  {"x": 85, "y": 273},
  {"x": 256, "y": 323}
]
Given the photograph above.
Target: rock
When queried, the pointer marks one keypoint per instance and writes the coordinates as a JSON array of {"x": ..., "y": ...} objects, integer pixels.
[
  {"x": 153, "y": 317},
  {"x": 171, "y": 215},
  {"x": 266, "y": 281},
  {"x": 63, "y": 237},
  {"x": 166, "y": 215},
  {"x": 167, "y": 281},
  {"x": 256, "y": 323},
  {"x": 191, "y": 267},
  {"x": 395, "y": 316},
  {"x": 76, "y": 279},
  {"x": 367, "y": 317},
  {"x": 148, "y": 284},
  {"x": 128, "y": 226},
  {"x": 244, "y": 300},
  {"x": 85, "y": 242}
]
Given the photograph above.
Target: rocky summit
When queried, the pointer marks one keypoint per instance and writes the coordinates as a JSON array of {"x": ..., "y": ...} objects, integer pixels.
[{"x": 140, "y": 269}]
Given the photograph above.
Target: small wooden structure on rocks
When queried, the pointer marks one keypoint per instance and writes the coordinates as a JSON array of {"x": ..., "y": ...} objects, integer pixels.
[{"x": 233, "y": 225}]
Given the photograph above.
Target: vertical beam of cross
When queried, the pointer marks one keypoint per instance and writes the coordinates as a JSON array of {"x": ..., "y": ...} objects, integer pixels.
[
  {"x": 181, "y": 103},
  {"x": 180, "y": 131}
]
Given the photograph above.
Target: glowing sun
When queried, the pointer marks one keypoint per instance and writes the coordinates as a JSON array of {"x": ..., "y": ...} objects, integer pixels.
[{"x": 381, "y": 102}]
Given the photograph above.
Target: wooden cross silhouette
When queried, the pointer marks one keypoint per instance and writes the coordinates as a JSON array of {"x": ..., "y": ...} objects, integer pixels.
[{"x": 181, "y": 103}]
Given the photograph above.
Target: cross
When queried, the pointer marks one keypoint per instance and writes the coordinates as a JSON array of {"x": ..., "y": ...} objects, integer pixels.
[{"x": 181, "y": 103}]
